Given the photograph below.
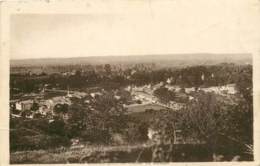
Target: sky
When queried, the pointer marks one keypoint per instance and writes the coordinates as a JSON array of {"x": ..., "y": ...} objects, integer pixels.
[{"x": 155, "y": 27}]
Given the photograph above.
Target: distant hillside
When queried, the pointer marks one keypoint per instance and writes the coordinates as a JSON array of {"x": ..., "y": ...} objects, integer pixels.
[{"x": 175, "y": 60}]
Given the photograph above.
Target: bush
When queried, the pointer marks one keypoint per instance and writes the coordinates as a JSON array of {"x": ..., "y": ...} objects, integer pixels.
[
  {"x": 36, "y": 142},
  {"x": 137, "y": 132}
]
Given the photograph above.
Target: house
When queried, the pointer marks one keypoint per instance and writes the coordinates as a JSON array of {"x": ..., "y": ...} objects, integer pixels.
[
  {"x": 203, "y": 77},
  {"x": 178, "y": 138},
  {"x": 87, "y": 101},
  {"x": 128, "y": 88},
  {"x": 60, "y": 100},
  {"x": 43, "y": 109},
  {"x": 117, "y": 97},
  {"x": 158, "y": 85},
  {"x": 151, "y": 133},
  {"x": 48, "y": 105},
  {"x": 94, "y": 94},
  {"x": 189, "y": 90},
  {"x": 24, "y": 105},
  {"x": 191, "y": 98},
  {"x": 13, "y": 104},
  {"x": 169, "y": 80},
  {"x": 133, "y": 72}
]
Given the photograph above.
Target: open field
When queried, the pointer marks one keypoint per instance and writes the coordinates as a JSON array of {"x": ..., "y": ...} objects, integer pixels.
[{"x": 143, "y": 107}]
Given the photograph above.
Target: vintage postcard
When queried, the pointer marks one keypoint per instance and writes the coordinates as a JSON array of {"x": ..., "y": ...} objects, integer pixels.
[{"x": 130, "y": 81}]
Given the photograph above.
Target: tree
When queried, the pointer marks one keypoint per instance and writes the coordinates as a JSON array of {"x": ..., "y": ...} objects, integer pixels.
[
  {"x": 201, "y": 117},
  {"x": 136, "y": 130},
  {"x": 111, "y": 111},
  {"x": 96, "y": 122},
  {"x": 107, "y": 69},
  {"x": 225, "y": 128},
  {"x": 244, "y": 84},
  {"x": 35, "y": 106},
  {"x": 61, "y": 108},
  {"x": 57, "y": 127},
  {"x": 164, "y": 124},
  {"x": 78, "y": 119},
  {"x": 244, "y": 119},
  {"x": 164, "y": 94}
]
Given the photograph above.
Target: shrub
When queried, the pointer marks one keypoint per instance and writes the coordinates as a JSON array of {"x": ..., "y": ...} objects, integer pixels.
[{"x": 137, "y": 132}]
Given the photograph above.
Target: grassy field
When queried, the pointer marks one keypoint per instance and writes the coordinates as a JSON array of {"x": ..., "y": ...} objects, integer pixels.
[
  {"x": 143, "y": 111},
  {"x": 143, "y": 107}
]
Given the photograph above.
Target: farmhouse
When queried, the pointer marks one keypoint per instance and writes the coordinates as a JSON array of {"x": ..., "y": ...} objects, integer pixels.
[{"x": 24, "y": 105}]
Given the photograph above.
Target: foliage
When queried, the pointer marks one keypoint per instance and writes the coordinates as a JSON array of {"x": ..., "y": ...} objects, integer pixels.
[
  {"x": 164, "y": 94},
  {"x": 220, "y": 125},
  {"x": 57, "y": 127},
  {"x": 244, "y": 84},
  {"x": 98, "y": 121},
  {"x": 201, "y": 117},
  {"x": 60, "y": 108},
  {"x": 164, "y": 125},
  {"x": 136, "y": 131}
]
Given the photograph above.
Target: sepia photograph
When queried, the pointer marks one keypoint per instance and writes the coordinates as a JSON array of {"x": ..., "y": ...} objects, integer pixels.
[{"x": 139, "y": 82}]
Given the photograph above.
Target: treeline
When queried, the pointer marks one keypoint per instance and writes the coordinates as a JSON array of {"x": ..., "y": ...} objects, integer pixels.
[{"x": 108, "y": 78}]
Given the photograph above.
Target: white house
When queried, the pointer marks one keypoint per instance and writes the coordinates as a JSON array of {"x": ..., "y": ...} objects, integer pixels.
[{"x": 24, "y": 105}]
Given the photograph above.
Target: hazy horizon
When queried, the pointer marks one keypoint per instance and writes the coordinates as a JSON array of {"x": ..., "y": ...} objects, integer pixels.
[
  {"x": 174, "y": 55},
  {"x": 172, "y": 60}
]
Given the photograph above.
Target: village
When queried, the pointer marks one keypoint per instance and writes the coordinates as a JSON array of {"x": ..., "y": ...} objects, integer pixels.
[{"x": 30, "y": 105}]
